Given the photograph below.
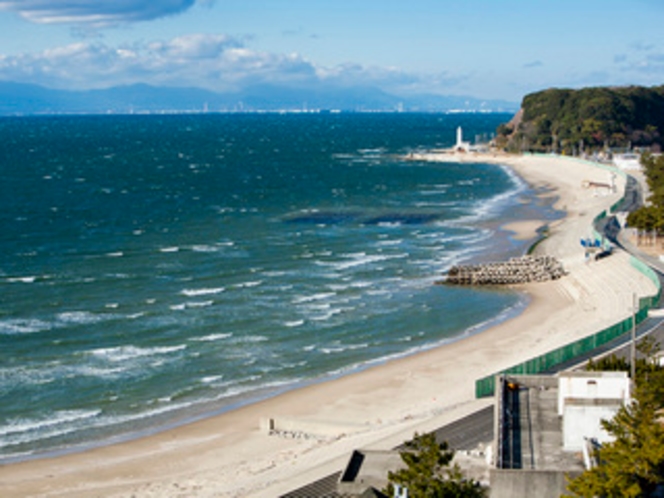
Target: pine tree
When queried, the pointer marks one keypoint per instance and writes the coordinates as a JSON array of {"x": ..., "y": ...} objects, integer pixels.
[
  {"x": 633, "y": 463},
  {"x": 429, "y": 473}
]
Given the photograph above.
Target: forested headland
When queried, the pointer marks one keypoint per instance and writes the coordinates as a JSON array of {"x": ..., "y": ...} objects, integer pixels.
[{"x": 587, "y": 120}]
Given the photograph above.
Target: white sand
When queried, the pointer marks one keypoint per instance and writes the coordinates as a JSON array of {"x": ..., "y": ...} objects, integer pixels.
[{"x": 229, "y": 455}]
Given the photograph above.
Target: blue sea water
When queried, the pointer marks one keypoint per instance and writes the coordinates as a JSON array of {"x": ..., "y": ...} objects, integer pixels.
[{"x": 155, "y": 269}]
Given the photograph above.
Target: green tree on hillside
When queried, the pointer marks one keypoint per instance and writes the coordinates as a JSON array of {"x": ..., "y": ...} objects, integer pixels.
[
  {"x": 651, "y": 216},
  {"x": 429, "y": 474},
  {"x": 633, "y": 464},
  {"x": 563, "y": 119}
]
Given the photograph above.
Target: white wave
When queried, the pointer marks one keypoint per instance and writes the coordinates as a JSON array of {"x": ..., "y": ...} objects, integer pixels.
[
  {"x": 205, "y": 248},
  {"x": 199, "y": 304},
  {"x": 313, "y": 297},
  {"x": 319, "y": 306},
  {"x": 360, "y": 259},
  {"x": 380, "y": 292},
  {"x": 243, "y": 285},
  {"x": 212, "y": 378},
  {"x": 81, "y": 317},
  {"x": 202, "y": 292},
  {"x": 22, "y": 425},
  {"x": 484, "y": 208},
  {"x": 190, "y": 305},
  {"x": 342, "y": 348},
  {"x": 294, "y": 323},
  {"x": 326, "y": 316},
  {"x": 274, "y": 273},
  {"x": 23, "y": 280},
  {"x": 339, "y": 287},
  {"x": 88, "y": 422},
  {"x": 90, "y": 371},
  {"x": 123, "y": 353},
  {"x": 433, "y": 192},
  {"x": 49, "y": 372},
  {"x": 211, "y": 337},
  {"x": 394, "y": 242},
  {"x": 250, "y": 339},
  {"x": 361, "y": 284},
  {"x": 23, "y": 326},
  {"x": 248, "y": 388}
]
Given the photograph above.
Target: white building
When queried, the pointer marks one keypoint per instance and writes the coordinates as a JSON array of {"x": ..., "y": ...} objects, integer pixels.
[
  {"x": 460, "y": 145},
  {"x": 587, "y": 398}
]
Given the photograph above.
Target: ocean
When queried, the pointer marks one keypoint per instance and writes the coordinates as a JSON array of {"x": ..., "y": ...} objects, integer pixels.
[{"x": 159, "y": 269}]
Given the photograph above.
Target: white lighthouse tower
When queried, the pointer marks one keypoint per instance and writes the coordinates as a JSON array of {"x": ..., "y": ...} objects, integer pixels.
[{"x": 461, "y": 146}]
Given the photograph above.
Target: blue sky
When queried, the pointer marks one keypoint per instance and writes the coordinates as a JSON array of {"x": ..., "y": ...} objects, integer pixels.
[{"x": 493, "y": 49}]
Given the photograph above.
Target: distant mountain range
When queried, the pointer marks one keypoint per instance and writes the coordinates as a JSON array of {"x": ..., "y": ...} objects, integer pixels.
[{"x": 26, "y": 99}]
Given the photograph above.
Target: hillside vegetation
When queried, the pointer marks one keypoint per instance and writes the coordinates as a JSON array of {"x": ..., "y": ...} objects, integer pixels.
[
  {"x": 651, "y": 216},
  {"x": 590, "y": 119}
]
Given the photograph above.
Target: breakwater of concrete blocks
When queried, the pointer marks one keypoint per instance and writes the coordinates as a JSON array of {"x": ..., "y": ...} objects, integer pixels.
[{"x": 514, "y": 271}]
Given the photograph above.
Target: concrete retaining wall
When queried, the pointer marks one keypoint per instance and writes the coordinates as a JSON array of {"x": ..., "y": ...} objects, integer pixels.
[{"x": 528, "y": 483}]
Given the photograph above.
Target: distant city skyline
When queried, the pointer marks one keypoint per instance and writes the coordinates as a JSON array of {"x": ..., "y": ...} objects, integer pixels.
[{"x": 480, "y": 48}]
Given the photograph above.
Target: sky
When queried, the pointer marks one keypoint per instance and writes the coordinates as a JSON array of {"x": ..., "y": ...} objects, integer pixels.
[{"x": 491, "y": 49}]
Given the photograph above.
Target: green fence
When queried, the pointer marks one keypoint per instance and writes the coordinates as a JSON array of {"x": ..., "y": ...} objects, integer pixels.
[{"x": 485, "y": 386}]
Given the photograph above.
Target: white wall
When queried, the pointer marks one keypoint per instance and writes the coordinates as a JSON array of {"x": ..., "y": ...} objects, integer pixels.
[
  {"x": 592, "y": 385},
  {"x": 584, "y": 421}
]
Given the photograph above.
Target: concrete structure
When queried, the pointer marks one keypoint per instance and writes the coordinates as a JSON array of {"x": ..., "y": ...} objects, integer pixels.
[
  {"x": 542, "y": 423},
  {"x": 629, "y": 161},
  {"x": 367, "y": 469},
  {"x": 587, "y": 398}
]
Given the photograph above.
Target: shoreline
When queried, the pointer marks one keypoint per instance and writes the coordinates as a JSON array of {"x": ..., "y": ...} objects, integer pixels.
[
  {"x": 505, "y": 243},
  {"x": 379, "y": 406}
]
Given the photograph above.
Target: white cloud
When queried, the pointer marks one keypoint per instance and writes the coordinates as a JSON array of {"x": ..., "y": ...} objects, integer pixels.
[
  {"x": 95, "y": 12},
  {"x": 645, "y": 61},
  {"x": 196, "y": 46},
  {"x": 212, "y": 61},
  {"x": 216, "y": 62}
]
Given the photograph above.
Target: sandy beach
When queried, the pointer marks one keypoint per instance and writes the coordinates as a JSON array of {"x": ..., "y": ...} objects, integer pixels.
[{"x": 232, "y": 455}]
